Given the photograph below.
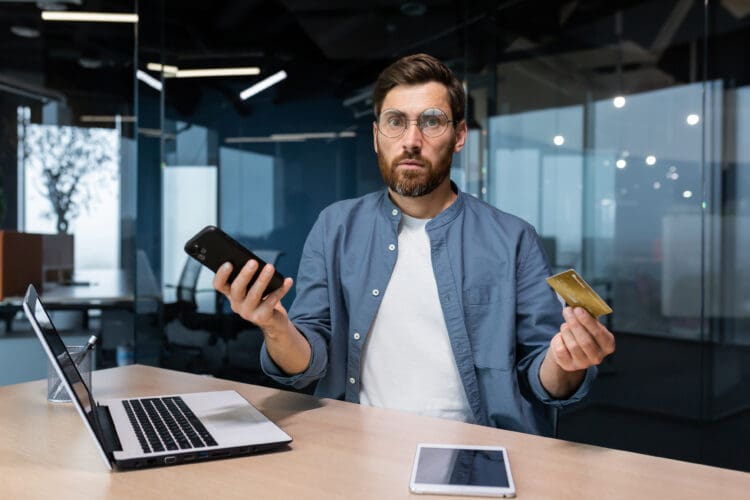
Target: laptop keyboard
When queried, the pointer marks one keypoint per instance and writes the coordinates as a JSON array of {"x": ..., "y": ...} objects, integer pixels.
[{"x": 165, "y": 424}]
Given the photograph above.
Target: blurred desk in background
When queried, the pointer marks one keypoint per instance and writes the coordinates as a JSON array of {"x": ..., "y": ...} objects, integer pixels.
[{"x": 89, "y": 289}]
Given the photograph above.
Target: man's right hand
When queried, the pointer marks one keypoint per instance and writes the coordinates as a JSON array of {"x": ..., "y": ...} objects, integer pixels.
[
  {"x": 266, "y": 312},
  {"x": 285, "y": 344}
]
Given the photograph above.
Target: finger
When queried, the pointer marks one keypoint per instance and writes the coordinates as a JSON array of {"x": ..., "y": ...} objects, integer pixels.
[
  {"x": 599, "y": 333},
  {"x": 561, "y": 353},
  {"x": 580, "y": 360},
  {"x": 584, "y": 339},
  {"x": 220, "y": 279},
  {"x": 255, "y": 293},
  {"x": 239, "y": 285},
  {"x": 275, "y": 297}
]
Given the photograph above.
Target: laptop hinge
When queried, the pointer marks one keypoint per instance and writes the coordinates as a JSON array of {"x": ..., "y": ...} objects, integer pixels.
[{"x": 106, "y": 429}]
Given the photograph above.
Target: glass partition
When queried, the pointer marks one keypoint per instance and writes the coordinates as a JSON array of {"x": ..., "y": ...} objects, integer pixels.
[{"x": 67, "y": 154}]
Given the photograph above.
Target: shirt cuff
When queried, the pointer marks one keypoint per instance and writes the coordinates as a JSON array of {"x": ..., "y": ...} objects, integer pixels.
[
  {"x": 314, "y": 370},
  {"x": 541, "y": 393}
]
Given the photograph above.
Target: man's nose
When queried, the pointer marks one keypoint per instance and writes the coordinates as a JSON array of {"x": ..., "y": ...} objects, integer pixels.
[{"x": 412, "y": 140}]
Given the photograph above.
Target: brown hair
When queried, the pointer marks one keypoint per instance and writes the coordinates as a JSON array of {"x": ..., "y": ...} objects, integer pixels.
[{"x": 416, "y": 69}]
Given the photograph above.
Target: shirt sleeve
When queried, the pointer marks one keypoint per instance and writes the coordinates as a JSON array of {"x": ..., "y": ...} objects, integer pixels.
[
  {"x": 309, "y": 313},
  {"x": 538, "y": 318}
]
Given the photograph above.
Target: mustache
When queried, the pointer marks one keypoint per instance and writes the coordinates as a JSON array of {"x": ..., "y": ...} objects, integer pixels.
[{"x": 410, "y": 156}]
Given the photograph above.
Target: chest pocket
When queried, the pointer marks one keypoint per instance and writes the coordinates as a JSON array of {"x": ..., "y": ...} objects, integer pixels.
[{"x": 490, "y": 322}]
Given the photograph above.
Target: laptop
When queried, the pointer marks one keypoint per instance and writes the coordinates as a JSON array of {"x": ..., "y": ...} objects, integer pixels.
[{"x": 133, "y": 433}]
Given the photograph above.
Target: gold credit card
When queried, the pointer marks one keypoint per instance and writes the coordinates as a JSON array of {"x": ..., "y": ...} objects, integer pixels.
[{"x": 577, "y": 293}]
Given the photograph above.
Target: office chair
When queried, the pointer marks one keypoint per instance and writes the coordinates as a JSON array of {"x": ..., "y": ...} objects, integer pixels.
[{"x": 192, "y": 339}]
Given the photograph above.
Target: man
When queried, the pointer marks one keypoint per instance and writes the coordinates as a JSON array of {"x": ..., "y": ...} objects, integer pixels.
[{"x": 419, "y": 297}]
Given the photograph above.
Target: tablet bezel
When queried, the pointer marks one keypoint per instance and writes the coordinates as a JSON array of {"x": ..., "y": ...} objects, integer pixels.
[{"x": 452, "y": 489}]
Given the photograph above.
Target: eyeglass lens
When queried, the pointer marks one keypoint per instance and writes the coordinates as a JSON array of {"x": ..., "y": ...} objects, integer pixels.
[{"x": 431, "y": 122}]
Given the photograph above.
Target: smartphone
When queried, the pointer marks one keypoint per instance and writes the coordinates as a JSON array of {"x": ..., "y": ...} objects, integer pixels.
[
  {"x": 212, "y": 247},
  {"x": 450, "y": 469}
]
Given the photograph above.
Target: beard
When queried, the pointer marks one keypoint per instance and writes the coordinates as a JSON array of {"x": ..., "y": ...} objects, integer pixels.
[{"x": 415, "y": 183}]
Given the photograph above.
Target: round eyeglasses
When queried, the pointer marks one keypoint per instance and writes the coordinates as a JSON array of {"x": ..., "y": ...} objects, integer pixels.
[{"x": 432, "y": 122}]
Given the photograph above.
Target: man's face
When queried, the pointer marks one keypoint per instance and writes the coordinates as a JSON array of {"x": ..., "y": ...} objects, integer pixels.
[{"x": 414, "y": 164}]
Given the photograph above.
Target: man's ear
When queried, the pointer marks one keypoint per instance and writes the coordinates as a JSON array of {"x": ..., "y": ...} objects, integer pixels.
[
  {"x": 461, "y": 131},
  {"x": 375, "y": 137}
]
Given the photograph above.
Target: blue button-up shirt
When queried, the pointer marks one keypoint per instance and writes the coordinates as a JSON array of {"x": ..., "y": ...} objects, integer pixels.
[{"x": 490, "y": 272}]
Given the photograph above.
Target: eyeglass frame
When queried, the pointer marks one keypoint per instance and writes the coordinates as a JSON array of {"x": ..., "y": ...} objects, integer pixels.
[{"x": 416, "y": 120}]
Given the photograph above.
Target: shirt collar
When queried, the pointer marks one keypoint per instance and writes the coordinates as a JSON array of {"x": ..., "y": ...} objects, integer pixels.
[{"x": 393, "y": 213}]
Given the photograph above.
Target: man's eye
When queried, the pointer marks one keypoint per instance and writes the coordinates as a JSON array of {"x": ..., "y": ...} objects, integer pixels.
[
  {"x": 395, "y": 121},
  {"x": 431, "y": 122}
]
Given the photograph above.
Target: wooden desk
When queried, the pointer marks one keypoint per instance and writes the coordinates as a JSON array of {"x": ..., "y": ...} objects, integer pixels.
[{"x": 340, "y": 450}]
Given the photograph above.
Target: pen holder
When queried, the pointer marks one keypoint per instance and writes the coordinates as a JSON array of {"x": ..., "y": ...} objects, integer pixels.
[{"x": 56, "y": 391}]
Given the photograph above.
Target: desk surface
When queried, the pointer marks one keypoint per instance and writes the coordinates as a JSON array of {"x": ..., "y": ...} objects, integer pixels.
[{"x": 340, "y": 450}]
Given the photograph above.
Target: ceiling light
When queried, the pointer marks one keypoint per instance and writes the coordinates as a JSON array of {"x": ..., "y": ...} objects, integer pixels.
[
  {"x": 167, "y": 69},
  {"x": 175, "y": 72},
  {"x": 263, "y": 85},
  {"x": 149, "y": 80},
  {"x": 657, "y": 185},
  {"x": 107, "y": 118},
  {"x": 618, "y": 102},
  {"x": 200, "y": 73},
  {"x": 558, "y": 140},
  {"x": 692, "y": 119},
  {"x": 651, "y": 160},
  {"x": 621, "y": 163},
  {"x": 92, "y": 17},
  {"x": 687, "y": 194},
  {"x": 298, "y": 137}
]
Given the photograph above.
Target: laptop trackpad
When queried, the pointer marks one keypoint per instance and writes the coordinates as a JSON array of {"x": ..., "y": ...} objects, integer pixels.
[{"x": 231, "y": 419}]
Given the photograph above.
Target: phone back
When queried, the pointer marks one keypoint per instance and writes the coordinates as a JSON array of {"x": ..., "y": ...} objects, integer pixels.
[{"x": 213, "y": 247}]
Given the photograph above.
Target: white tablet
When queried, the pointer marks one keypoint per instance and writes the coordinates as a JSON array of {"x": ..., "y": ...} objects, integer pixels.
[{"x": 452, "y": 469}]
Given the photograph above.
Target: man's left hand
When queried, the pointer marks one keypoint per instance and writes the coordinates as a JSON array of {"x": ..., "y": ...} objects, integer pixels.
[{"x": 582, "y": 342}]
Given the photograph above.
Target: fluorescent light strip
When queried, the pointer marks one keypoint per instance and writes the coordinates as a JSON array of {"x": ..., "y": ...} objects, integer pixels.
[
  {"x": 175, "y": 72},
  {"x": 304, "y": 136},
  {"x": 107, "y": 118},
  {"x": 172, "y": 70},
  {"x": 263, "y": 85},
  {"x": 291, "y": 137},
  {"x": 148, "y": 80},
  {"x": 199, "y": 73},
  {"x": 156, "y": 133},
  {"x": 91, "y": 17}
]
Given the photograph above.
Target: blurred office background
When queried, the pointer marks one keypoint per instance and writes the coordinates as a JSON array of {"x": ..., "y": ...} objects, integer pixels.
[{"x": 619, "y": 129}]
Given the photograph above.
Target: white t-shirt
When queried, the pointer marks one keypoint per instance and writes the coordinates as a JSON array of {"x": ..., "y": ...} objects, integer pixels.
[{"x": 407, "y": 362}]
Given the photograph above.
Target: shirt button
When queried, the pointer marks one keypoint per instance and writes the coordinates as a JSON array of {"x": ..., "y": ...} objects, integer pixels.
[
  {"x": 391, "y": 247},
  {"x": 394, "y": 212},
  {"x": 376, "y": 292},
  {"x": 356, "y": 335},
  {"x": 352, "y": 381}
]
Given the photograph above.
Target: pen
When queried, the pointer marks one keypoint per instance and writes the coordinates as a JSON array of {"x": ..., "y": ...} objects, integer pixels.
[{"x": 77, "y": 358}]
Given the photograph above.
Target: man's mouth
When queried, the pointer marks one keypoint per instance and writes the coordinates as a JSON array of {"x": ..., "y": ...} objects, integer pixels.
[{"x": 411, "y": 164}]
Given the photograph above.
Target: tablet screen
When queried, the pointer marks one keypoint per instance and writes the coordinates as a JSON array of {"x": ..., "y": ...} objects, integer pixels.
[{"x": 460, "y": 466}]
